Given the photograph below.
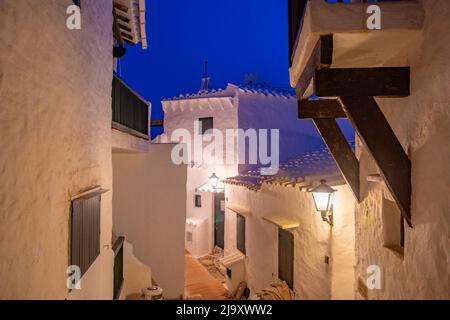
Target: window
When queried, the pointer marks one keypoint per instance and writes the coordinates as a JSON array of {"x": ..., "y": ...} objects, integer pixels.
[
  {"x": 198, "y": 201},
  {"x": 240, "y": 232},
  {"x": 206, "y": 124},
  {"x": 286, "y": 257},
  {"x": 85, "y": 231},
  {"x": 393, "y": 226}
]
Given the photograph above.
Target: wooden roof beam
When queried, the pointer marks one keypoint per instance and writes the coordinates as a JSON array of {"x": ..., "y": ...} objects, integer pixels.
[{"x": 319, "y": 109}]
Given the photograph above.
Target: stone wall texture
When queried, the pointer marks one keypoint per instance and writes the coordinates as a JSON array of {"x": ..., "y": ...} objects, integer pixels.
[
  {"x": 313, "y": 240},
  {"x": 422, "y": 124},
  {"x": 55, "y": 142}
]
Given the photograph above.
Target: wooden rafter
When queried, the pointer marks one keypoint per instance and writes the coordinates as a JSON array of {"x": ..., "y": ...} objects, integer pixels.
[
  {"x": 369, "y": 82},
  {"x": 356, "y": 88},
  {"x": 341, "y": 151},
  {"x": 320, "y": 109},
  {"x": 157, "y": 123},
  {"x": 383, "y": 145}
]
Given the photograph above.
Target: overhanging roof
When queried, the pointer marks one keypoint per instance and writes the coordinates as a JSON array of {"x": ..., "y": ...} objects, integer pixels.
[
  {"x": 130, "y": 17},
  {"x": 354, "y": 44}
]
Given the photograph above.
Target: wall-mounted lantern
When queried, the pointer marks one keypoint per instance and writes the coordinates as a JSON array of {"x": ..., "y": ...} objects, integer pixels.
[
  {"x": 214, "y": 181},
  {"x": 323, "y": 196}
]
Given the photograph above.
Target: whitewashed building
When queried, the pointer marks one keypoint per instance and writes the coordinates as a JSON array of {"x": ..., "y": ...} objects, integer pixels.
[
  {"x": 274, "y": 232},
  {"x": 235, "y": 107},
  {"x": 393, "y": 85},
  {"x": 68, "y": 150}
]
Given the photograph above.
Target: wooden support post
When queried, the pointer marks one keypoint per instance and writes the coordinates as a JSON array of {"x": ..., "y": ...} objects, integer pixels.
[
  {"x": 383, "y": 145},
  {"x": 341, "y": 151},
  {"x": 157, "y": 123},
  {"x": 322, "y": 108}
]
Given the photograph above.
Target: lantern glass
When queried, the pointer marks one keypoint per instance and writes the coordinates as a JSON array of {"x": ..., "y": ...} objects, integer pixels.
[
  {"x": 214, "y": 180},
  {"x": 323, "y": 196},
  {"x": 323, "y": 200}
]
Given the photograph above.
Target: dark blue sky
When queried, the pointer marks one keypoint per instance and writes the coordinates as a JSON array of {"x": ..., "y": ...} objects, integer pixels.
[{"x": 236, "y": 36}]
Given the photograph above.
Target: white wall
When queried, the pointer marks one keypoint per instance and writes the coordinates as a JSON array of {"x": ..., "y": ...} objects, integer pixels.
[
  {"x": 259, "y": 111},
  {"x": 149, "y": 208},
  {"x": 55, "y": 142},
  {"x": 136, "y": 274},
  {"x": 422, "y": 124},
  {"x": 224, "y": 112},
  {"x": 313, "y": 240}
]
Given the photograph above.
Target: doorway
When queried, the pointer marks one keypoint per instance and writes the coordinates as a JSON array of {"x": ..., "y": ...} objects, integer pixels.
[{"x": 219, "y": 219}]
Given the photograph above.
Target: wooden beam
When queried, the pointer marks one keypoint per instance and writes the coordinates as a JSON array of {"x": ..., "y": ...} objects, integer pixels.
[
  {"x": 319, "y": 109},
  {"x": 393, "y": 82},
  {"x": 383, "y": 145},
  {"x": 116, "y": 28},
  {"x": 157, "y": 123},
  {"x": 321, "y": 57},
  {"x": 341, "y": 151}
]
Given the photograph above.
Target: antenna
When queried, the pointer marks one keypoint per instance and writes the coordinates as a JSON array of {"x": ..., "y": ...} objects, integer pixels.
[
  {"x": 205, "y": 79},
  {"x": 206, "y": 75}
]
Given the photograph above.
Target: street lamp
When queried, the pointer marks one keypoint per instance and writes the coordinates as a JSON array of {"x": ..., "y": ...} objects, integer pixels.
[
  {"x": 323, "y": 196},
  {"x": 213, "y": 181}
]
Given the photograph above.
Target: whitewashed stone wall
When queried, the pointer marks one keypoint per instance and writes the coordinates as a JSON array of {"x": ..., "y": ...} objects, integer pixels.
[
  {"x": 149, "y": 209},
  {"x": 55, "y": 141},
  {"x": 422, "y": 124},
  {"x": 233, "y": 109},
  {"x": 313, "y": 240}
]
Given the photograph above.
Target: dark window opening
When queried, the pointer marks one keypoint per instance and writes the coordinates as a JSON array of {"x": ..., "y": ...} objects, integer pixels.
[
  {"x": 198, "y": 201},
  {"x": 85, "y": 232},
  {"x": 393, "y": 225},
  {"x": 118, "y": 267},
  {"x": 286, "y": 257},
  {"x": 206, "y": 124},
  {"x": 240, "y": 233}
]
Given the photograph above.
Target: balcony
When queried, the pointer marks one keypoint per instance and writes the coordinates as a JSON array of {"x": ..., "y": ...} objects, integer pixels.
[
  {"x": 340, "y": 64},
  {"x": 354, "y": 45},
  {"x": 130, "y": 116}
]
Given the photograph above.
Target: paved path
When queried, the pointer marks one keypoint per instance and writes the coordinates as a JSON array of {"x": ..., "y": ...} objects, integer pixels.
[{"x": 199, "y": 284}]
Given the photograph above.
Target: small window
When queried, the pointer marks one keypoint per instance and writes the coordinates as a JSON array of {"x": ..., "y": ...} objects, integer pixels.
[
  {"x": 85, "y": 231},
  {"x": 198, "y": 201},
  {"x": 286, "y": 257},
  {"x": 240, "y": 231},
  {"x": 206, "y": 124}
]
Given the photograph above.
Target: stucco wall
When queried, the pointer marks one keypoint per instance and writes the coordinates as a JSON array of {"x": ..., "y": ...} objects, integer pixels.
[
  {"x": 258, "y": 111},
  {"x": 313, "y": 240},
  {"x": 153, "y": 219},
  {"x": 422, "y": 124},
  {"x": 55, "y": 141},
  {"x": 224, "y": 112},
  {"x": 136, "y": 274}
]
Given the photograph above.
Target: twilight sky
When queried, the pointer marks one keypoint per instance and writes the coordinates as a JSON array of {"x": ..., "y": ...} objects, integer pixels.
[{"x": 236, "y": 37}]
